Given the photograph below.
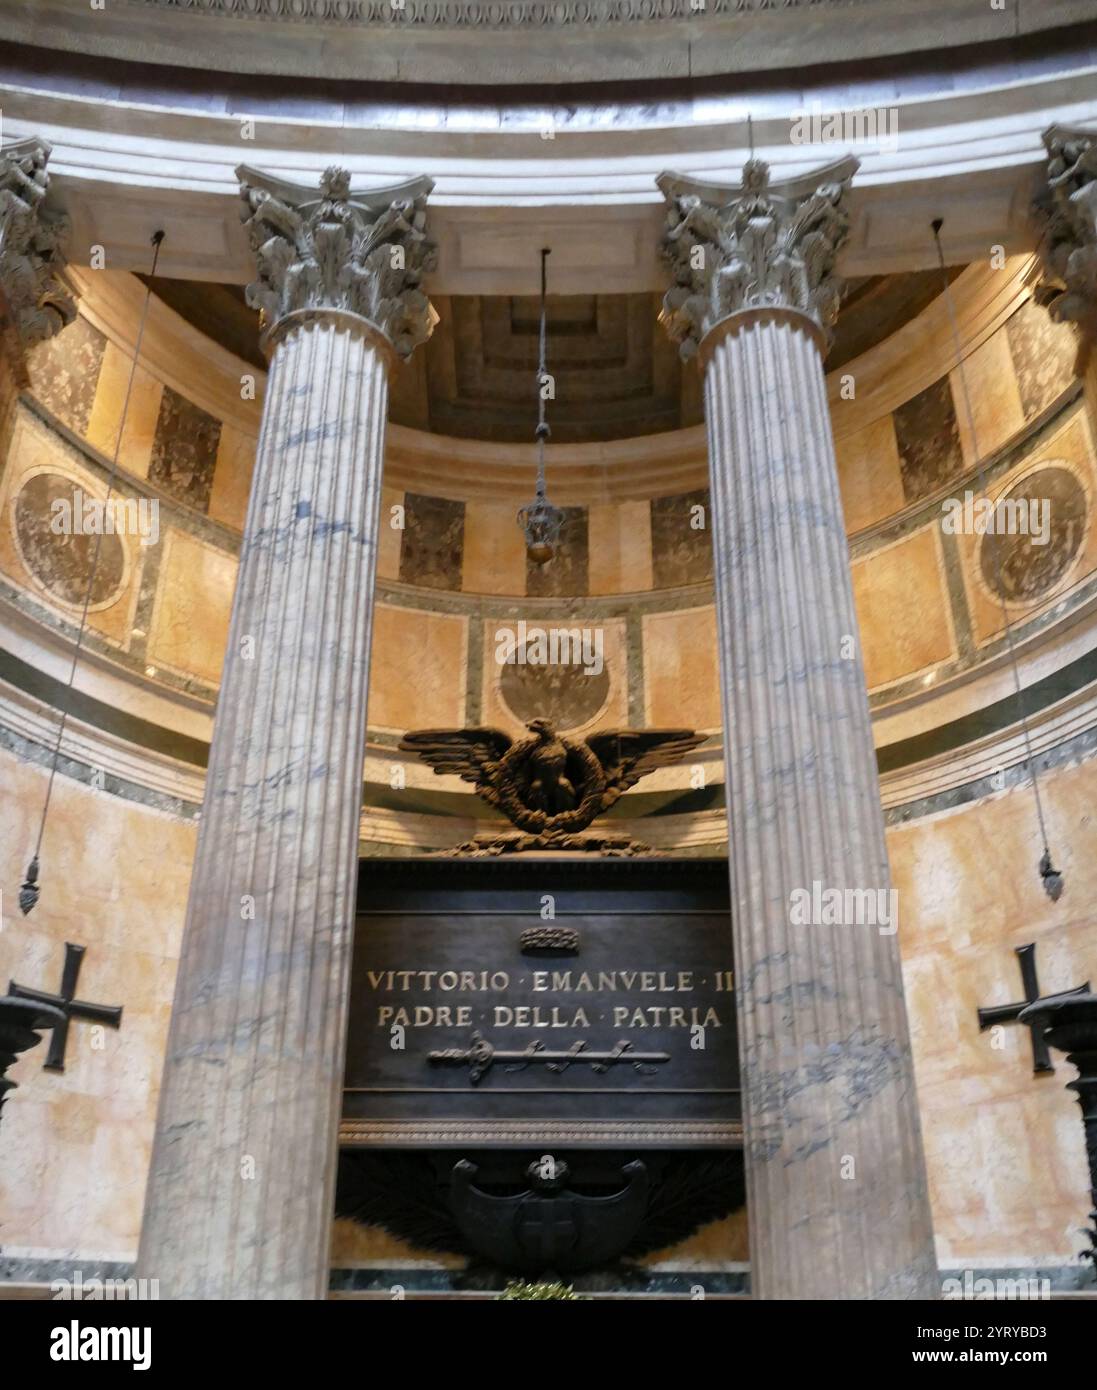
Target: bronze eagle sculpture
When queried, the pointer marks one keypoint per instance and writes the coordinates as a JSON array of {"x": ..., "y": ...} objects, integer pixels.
[{"x": 546, "y": 784}]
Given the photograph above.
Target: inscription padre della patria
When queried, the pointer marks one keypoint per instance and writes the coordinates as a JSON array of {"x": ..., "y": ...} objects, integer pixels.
[{"x": 548, "y": 1015}]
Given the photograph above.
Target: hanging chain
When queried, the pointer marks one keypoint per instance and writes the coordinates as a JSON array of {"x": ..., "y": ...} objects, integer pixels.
[
  {"x": 543, "y": 430},
  {"x": 28, "y": 893},
  {"x": 1052, "y": 879}
]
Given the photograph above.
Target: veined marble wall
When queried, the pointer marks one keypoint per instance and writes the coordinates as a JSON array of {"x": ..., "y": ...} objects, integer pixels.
[{"x": 75, "y": 1145}]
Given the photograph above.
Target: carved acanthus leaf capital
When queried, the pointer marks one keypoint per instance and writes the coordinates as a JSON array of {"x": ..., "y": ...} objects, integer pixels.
[
  {"x": 1067, "y": 210},
  {"x": 333, "y": 249},
  {"x": 31, "y": 241},
  {"x": 753, "y": 246}
]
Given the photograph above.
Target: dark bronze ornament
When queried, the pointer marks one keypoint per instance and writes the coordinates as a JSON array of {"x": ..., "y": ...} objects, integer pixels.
[
  {"x": 68, "y": 1006},
  {"x": 28, "y": 893},
  {"x": 1068, "y": 1022},
  {"x": 546, "y": 784},
  {"x": 480, "y": 1056},
  {"x": 561, "y": 941},
  {"x": 519, "y": 1213},
  {"x": 21, "y": 1022},
  {"x": 1011, "y": 1013}
]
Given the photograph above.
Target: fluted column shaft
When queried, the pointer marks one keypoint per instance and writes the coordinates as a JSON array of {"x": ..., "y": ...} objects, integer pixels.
[
  {"x": 240, "y": 1192},
  {"x": 836, "y": 1184}
]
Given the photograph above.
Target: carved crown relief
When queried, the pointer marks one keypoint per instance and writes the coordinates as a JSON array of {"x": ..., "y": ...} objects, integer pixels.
[
  {"x": 362, "y": 252},
  {"x": 30, "y": 244},
  {"x": 757, "y": 245},
  {"x": 1068, "y": 211}
]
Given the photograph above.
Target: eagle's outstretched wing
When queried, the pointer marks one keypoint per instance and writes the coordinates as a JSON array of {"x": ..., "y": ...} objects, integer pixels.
[
  {"x": 473, "y": 754},
  {"x": 627, "y": 755}
]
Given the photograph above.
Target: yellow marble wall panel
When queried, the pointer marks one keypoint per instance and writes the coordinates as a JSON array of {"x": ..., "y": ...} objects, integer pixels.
[
  {"x": 1070, "y": 447},
  {"x": 495, "y": 550},
  {"x": 681, "y": 669},
  {"x": 619, "y": 547},
  {"x": 115, "y": 877},
  {"x": 994, "y": 396},
  {"x": 58, "y": 581},
  {"x": 417, "y": 669},
  {"x": 969, "y": 893},
  {"x": 232, "y": 477},
  {"x": 902, "y": 608},
  {"x": 868, "y": 474},
  {"x": 190, "y": 617},
  {"x": 141, "y": 414},
  {"x": 390, "y": 533}
]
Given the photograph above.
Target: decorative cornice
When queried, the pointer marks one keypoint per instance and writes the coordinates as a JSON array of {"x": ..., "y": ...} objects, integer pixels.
[
  {"x": 30, "y": 244},
  {"x": 757, "y": 245},
  {"x": 1068, "y": 211},
  {"x": 487, "y": 14},
  {"x": 361, "y": 253}
]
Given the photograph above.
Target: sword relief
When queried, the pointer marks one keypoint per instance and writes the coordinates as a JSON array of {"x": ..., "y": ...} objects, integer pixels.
[{"x": 480, "y": 1055}]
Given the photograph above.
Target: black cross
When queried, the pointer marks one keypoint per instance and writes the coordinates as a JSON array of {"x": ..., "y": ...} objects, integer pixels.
[
  {"x": 1007, "y": 1013},
  {"x": 71, "y": 1007}
]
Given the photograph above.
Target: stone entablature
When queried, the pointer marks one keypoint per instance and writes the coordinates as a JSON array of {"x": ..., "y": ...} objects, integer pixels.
[{"x": 577, "y": 41}]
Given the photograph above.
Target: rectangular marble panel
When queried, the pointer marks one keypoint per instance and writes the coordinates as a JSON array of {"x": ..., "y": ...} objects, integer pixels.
[
  {"x": 869, "y": 474},
  {"x": 142, "y": 412},
  {"x": 902, "y": 608},
  {"x": 1043, "y": 356},
  {"x": 994, "y": 396},
  {"x": 681, "y": 539},
  {"x": 184, "y": 450},
  {"x": 681, "y": 669},
  {"x": 433, "y": 541},
  {"x": 190, "y": 616},
  {"x": 232, "y": 471},
  {"x": 928, "y": 436},
  {"x": 620, "y": 547},
  {"x": 390, "y": 533},
  {"x": 417, "y": 669},
  {"x": 64, "y": 373},
  {"x": 567, "y": 573},
  {"x": 495, "y": 549}
]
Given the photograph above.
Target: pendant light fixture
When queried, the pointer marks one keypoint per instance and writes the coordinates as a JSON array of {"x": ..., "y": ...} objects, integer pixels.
[{"x": 539, "y": 519}]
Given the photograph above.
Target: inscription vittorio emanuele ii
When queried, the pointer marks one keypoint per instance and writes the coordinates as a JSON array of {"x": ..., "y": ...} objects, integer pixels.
[{"x": 602, "y": 1000}]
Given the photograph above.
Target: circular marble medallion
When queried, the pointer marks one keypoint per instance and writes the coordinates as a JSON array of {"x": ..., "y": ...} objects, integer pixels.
[
  {"x": 1023, "y": 567},
  {"x": 561, "y": 692},
  {"x": 54, "y": 530}
]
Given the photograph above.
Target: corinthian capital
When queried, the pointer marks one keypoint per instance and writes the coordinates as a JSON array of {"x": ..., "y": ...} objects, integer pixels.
[
  {"x": 30, "y": 244},
  {"x": 1068, "y": 211},
  {"x": 361, "y": 252},
  {"x": 754, "y": 246}
]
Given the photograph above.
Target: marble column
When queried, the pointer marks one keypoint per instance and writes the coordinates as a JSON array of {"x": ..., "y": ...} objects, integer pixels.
[
  {"x": 34, "y": 303},
  {"x": 837, "y": 1196},
  {"x": 1066, "y": 215},
  {"x": 240, "y": 1191}
]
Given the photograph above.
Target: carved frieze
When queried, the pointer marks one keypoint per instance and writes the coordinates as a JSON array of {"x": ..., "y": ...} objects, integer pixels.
[
  {"x": 1067, "y": 210},
  {"x": 484, "y": 14},
  {"x": 757, "y": 245},
  {"x": 332, "y": 249},
  {"x": 30, "y": 244}
]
